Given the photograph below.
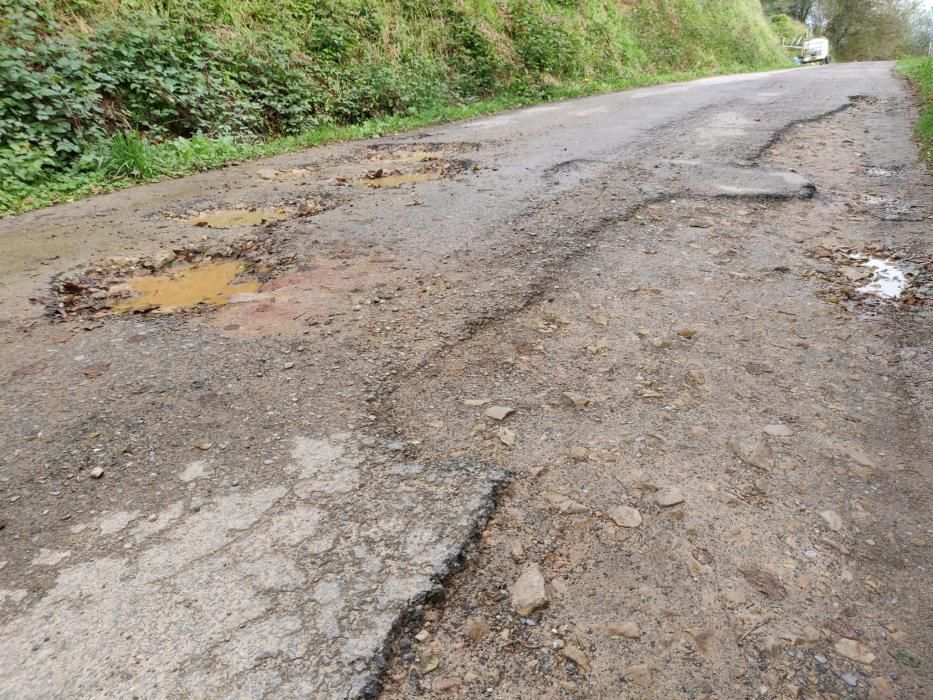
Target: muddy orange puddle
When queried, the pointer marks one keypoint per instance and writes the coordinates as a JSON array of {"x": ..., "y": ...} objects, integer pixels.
[
  {"x": 229, "y": 218},
  {"x": 399, "y": 180},
  {"x": 406, "y": 156},
  {"x": 210, "y": 283}
]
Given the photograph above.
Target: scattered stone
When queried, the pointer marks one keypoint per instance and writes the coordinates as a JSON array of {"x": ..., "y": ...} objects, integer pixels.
[
  {"x": 97, "y": 472},
  {"x": 267, "y": 173},
  {"x": 204, "y": 446},
  {"x": 499, "y": 412},
  {"x": 600, "y": 319},
  {"x": 811, "y": 634},
  {"x": 880, "y": 689},
  {"x": 529, "y": 592},
  {"x": 639, "y": 674},
  {"x": 628, "y": 629},
  {"x": 422, "y": 636},
  {"x": 507, "y": 437},
  {"x": 577, "y": 656},
  {"x": 578, "y": 400},
  {"x": 696, "y": 377},
  {"x": 754, "y": 455},
  {"x": 445, "y": 684},
  {"x": 850, "y": 680},
  {"x": 669, "y": 496},
  {"x": 565, "y": 505},
  {"x": 832, "y": 520},
  {"x": 860, "y": 457},
  {"x": 475, "y": 402},
  {"x": 476, "y": 628},
  {"x": 686, "y": 333},
  {"x": 625, "y": 516},
  {"x": 517, "y": 550},
  {"x": 779, "y": 430},
  {"x": 578, "y": 453},
  {"x": 855, "y": 650}
]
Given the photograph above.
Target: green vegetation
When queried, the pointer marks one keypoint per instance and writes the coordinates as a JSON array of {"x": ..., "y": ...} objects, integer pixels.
[
  {"x": 789, "y": 30},
  {"x": 99, "y": 94},
  {"x": 920, "y": 73}
]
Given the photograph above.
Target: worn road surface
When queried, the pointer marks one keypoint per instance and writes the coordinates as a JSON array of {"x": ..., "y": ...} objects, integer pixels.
[{"x": 596, "y": 399}]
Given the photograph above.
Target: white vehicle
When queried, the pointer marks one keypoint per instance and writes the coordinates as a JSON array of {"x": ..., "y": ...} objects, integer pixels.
[{"x": 815, "y": 51}]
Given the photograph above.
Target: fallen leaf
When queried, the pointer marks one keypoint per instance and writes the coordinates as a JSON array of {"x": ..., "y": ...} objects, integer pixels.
[
  {"x": 429, "y": 662},
  {"x": 702, "y": 556},
  {"x": 766, "y": 584}
]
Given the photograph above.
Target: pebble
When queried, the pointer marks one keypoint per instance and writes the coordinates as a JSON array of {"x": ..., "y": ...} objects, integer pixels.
[
  {"x": 820, "y": 659},
  {"x": 422, "y": 636},
  {"x": 578, "y": 453},
  {"x": 779, "y": 430},
  {"x": 850, "y": 680},
  {"x": 507, "y": 437},
  {"x": 529, "y": 592},
  {"x": 565, "y": 505},
  {"x": 444, "y": 684},
  {"x": 628, "y": 629},
  {"x": 670, "y": 496},
  {"x": 881, "y": 689},
  {"x": 576, "y": 655},
  {"x": 498, "y": 412},
  {"x": 476, "y": 628},
  {"x": 832, "y": 520},
  {"x": 625, "y": 516},
  {"x": 855, "y": 650},
  {"x": 97, "y": 472}
]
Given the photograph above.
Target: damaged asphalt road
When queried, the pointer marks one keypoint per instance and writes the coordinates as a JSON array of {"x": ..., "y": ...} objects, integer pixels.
[{"x": 596, "y": 301}]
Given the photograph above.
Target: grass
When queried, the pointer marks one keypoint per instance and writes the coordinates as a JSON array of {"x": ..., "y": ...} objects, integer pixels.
[{"x": 919, "y": 71}]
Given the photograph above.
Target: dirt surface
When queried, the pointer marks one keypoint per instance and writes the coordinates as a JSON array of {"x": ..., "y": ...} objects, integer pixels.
[{"x": 627, "y": 328}]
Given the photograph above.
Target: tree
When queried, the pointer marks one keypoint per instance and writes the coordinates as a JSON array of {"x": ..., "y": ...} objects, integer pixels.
[
  {"x": 798, "y": 9},
  {"x": 862, "y": 30}
]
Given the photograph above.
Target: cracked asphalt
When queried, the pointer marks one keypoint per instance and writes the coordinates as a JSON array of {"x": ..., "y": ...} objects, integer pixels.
[{"x": 299, "y": 494}]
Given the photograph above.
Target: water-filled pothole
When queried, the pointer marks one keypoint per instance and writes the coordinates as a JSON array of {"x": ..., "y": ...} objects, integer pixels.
[
  {"x": 231, "y": 218},
  {"x": 380, "y": 178},
  {"x": 211, "y": 283}
]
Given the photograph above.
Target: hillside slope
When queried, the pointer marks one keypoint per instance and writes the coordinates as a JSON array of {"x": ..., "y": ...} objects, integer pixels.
[{"x": 221, "y": 73}]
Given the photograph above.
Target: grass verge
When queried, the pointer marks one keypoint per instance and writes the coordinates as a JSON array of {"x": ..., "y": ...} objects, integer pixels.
[
  {"x": 919, "y": 71},
  {"x": 127, "y": 159}
]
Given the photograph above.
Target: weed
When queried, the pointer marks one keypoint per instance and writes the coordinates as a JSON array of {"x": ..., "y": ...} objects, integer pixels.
[{"x": 920, "y": 73}]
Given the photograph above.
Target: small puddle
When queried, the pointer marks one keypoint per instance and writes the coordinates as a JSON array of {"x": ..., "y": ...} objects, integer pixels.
[
  {"x": 888, "y": 281},
  {"x": 398, "y": 180},
  {"x": 209, "y": 283},
  {"x": 230, "y": 218},
  {"x": 405, "y": 156}
]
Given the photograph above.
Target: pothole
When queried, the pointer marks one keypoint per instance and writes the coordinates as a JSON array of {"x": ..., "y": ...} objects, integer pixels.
[
  {"x": 204, "y": 275},
  {"x": 382, "y": 178},
  {"x": 185, "y": 287},
  {"x": 888, "y": 281},
  {"x": 874, "y": 273},
  {"x": 231, "y": 218}
]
